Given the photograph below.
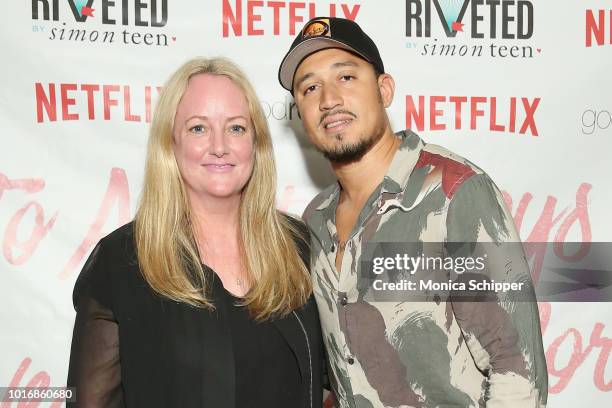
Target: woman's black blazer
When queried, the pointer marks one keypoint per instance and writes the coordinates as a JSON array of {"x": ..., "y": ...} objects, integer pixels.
[{"x": 133, "y": 348}]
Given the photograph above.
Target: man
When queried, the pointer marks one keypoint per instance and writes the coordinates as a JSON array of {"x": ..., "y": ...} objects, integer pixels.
[{"x": 396, "y": 188}]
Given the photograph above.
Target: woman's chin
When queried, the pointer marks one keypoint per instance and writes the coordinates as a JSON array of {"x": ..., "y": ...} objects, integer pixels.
[{"x": 218, "y": 192}]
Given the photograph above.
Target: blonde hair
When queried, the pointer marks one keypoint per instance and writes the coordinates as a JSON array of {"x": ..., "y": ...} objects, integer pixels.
[{"x": 167, "y": 251}]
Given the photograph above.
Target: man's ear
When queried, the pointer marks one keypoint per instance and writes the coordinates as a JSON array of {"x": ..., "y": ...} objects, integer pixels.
[{"x": 386, "y": 85}]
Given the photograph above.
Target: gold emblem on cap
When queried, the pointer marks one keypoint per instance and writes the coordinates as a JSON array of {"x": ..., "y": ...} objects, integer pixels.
[{"x": 317, "y": 28}]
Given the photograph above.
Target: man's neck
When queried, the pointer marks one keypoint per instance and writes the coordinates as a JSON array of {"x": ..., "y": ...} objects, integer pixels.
[{"x": 359, "y": 179}]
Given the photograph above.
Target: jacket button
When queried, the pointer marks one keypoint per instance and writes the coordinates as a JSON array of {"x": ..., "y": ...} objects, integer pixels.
[
  {"x": 350, "y": 360},
  {"x": 343, "y": 300}
]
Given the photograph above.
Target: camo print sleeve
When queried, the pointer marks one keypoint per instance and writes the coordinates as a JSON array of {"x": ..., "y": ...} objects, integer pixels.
[{"x": 504, "y": 338}]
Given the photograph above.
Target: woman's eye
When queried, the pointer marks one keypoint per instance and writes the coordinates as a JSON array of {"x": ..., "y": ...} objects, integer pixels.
[
  {"x": 237, "y": 129},
  {"x": 196, "y": 129}
]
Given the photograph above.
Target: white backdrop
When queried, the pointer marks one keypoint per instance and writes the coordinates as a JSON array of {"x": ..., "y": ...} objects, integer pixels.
[{"x": 75, "y": 106}]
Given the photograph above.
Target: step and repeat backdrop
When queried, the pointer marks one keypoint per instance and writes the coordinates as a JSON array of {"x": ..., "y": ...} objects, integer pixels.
[{"x": 522, "y": 88}]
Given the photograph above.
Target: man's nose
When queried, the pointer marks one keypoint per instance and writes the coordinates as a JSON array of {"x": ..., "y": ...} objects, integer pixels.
[{"x": 330, "y": 97}]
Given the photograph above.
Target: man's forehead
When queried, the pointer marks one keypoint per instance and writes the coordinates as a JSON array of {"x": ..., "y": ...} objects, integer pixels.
[{"x": 331, "y": 58}]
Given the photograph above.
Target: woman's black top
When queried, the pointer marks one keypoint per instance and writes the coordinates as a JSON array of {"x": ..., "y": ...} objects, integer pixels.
[
  {"x": 262, "y": 357},
  {"x": 134, "y": 348}
]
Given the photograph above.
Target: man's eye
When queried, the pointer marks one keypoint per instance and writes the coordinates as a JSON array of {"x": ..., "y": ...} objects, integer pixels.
[
  {"x": 196, "y": 129},
  {"x": 347, "y": 77},
  {"x": 237, "y": 129},
  {"x": 310, "y": 89}
]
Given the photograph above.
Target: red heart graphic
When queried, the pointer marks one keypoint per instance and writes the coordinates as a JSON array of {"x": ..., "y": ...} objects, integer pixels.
[
  {"x": 538, "y": 50},
  {"x": 173, "y": 38}
]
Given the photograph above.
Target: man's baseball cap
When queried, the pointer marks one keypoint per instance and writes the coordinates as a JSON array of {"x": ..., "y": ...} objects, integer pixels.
[{"x": 321, "y": 33}]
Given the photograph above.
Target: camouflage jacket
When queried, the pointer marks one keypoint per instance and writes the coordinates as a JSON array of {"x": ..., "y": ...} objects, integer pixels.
[{"x": 423, "y": 354}]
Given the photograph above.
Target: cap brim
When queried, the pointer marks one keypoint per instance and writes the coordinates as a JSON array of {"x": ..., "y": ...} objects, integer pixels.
[{"x": 304, "y": 49}]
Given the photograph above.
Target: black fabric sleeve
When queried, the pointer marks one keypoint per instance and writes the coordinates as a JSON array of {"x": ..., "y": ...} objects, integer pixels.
[{"x": 94, "y": 367}]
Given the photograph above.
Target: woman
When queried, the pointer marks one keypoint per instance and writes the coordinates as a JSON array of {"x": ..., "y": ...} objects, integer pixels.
[{"x": 204, "y": 299}]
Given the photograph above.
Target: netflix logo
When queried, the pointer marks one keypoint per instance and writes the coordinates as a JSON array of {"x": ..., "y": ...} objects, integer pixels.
[
  {"x": 597, "y": 25},
  {"x": 64, "y": 102},
  {"x": 480, "y": 113},
  {"x": 258, "y": 17}
]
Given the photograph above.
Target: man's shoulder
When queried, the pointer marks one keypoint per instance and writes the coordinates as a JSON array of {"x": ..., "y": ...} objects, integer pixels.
[
  {"x": 452, "y": 169},
  {"x": 446, "y": 156},
  {"x": 324, "y": 197}
]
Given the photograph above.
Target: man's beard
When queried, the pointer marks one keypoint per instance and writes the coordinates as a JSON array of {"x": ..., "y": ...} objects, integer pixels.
[
  {"x": 349, "y": 153},
  {"x": 354, "y": 152}
]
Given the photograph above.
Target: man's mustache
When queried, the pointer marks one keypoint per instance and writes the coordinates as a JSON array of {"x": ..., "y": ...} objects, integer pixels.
[{"x": 326, "y": 114}]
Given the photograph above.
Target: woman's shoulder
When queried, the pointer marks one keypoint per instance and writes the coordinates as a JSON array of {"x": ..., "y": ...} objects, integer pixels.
[
  {"x": 112, "y": 254},
  {"x": 298, "y": 227},
  {"x": 120, "y": 239},
  {"x": 118, "y": 248},
  {"x": 301, "y": 235}
]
